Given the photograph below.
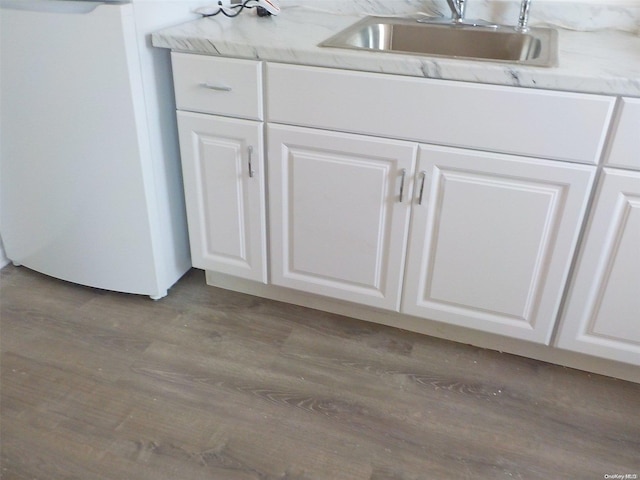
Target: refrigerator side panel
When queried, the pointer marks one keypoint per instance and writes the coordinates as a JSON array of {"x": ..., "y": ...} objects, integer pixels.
[
  {"x": 73, "y": 202},
  {"x": 168, "y": 213}
]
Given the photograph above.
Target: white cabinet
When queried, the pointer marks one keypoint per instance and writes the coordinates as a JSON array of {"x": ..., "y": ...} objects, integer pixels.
[
  {"x": 223, "y": 162},
  {"x": 602, "y": 311},
  {"x": 624, "y": 151},
  {"x": 223, "y": 174},
  {"x": 492, "y": 237},
  {"x": 437, "y": 203},
  {"x": 339, "y": 209},
  {"x": 490, "y": 247},
  {"x": 602, "y": 315}
]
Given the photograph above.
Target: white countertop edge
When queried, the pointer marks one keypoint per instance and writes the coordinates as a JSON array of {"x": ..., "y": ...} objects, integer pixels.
[{"x": 601, "y": 62}]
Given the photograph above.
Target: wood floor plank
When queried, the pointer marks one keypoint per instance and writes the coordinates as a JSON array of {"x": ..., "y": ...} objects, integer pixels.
[{"x": 209, "y": 384}]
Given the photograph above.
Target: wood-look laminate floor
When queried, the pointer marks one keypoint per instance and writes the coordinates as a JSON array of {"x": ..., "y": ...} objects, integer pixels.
[{"x": 210, "y": 384}]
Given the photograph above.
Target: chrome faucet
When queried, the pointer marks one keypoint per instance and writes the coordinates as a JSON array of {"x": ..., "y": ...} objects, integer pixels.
[
  {"x": 457, "y": 17},
  {"x": 457, "y": 10},
  {"x": 523, "y": 18}
]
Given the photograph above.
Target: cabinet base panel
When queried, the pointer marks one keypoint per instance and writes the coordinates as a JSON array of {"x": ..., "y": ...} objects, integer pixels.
[{"x": 429, "y": 327}]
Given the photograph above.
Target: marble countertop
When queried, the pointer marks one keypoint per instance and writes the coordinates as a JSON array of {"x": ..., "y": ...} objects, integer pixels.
[{"x": 606, "y": 61}]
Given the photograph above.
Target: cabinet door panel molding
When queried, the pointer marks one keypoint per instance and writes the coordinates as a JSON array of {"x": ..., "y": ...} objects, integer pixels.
[
  {"x": 338, "y": 226},
  {"x": 491, "y": 244},
  {"x": 224, "y": 188},
  {"x": 602, "y": 316}
]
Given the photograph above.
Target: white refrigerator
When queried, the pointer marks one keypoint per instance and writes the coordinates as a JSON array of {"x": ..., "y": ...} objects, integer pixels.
[{"x": 90, "y": 179}]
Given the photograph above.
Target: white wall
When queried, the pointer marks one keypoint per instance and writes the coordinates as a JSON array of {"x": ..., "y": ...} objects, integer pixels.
[{"x": 586, "y": 15}]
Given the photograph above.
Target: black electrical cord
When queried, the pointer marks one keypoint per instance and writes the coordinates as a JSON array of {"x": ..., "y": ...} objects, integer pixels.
[{"x": 239, "y": 9}]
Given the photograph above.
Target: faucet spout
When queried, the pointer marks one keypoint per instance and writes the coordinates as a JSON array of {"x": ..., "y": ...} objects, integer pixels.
[
  {"x": 523, "y": 17},
  {"x": 458, "y": 17},
  {"x": 457, "y": 10}
]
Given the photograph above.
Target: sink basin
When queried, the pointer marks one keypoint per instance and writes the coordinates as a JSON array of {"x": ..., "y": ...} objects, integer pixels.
[{"x": 538, "y": 46}]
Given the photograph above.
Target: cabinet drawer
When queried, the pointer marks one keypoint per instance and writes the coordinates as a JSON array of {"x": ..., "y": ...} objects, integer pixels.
[
  {"x": 556, "y": 125},
  {"x": 625, "y": 146},
  {"x": 222, "y": 86}
]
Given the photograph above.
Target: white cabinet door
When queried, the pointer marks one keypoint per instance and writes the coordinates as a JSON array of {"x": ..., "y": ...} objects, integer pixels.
[
  {"x": 602, "y": 314},
  {"x": 339, "y": 210},
  {"x": 222, "y": 165},
  {"x": 492, "y": 241}
]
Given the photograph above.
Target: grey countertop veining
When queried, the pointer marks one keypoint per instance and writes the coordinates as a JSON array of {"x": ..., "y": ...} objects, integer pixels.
[{"x": 605, "y": 61}]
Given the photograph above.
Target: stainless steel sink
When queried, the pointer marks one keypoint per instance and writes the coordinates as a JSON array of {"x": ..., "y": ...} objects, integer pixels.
[{"x": 537, "y": 46}]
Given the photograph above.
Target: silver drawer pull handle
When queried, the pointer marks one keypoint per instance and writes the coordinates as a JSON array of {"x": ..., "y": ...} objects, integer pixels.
[
  {"x": 250, "y": 149},
  {"x": 424, "y": 175},
  {"x": 404, "y": 174},
  {"x": 220, "y": 88}
]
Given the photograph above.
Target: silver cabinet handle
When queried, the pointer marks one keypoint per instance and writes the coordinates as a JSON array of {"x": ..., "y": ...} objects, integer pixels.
[
  {"x": 211, "y": 86},
  {"x": 250, "y": 150},
  {"x": 404, "y": 174},
  {"x": 424, "y": 175}
]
